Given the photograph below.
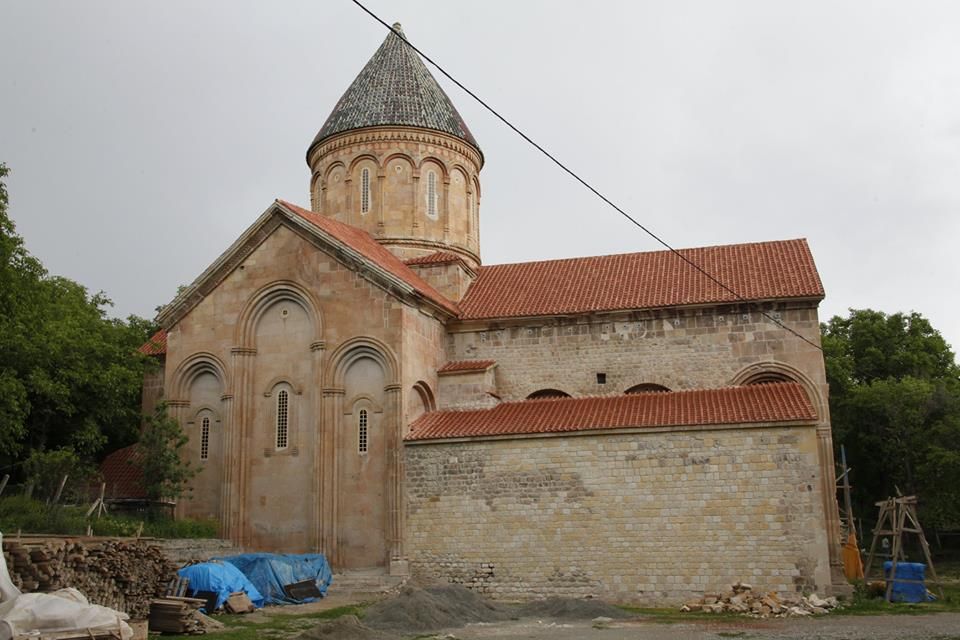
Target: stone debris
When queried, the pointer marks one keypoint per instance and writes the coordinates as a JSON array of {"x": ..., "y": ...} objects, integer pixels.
[{"x": 742, "y": 599}]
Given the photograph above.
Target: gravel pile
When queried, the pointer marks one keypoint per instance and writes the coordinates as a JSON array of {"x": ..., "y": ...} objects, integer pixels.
[
  {"x": 421, "y": 610},
  {"x": 570, "y": 609}
]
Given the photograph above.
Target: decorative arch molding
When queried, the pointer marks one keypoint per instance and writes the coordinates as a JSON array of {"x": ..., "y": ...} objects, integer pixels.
[
  {"x": 762, "y": 372},
  {"x": 193, "y": 366},
  {"x": 467, "y": 182},
  {"x": 437, "y": 161},
  {"x": 426, "y": 395},
  {"x": 399, "y": 156},
  {"x": 361, "y": 401},
  {"x": 355, "y": 349},
  {"x": 476, "y": 187},
  {"x": 330, "y": 169},
  {"x": 647, "y": 387},
  {"x": 548, "y": 393},
  {"x": 362, "y": 157},
  {"x": 195, "y": 415},
  {"x": 266, "y": 296},
  {"x": 272, "y": 385}
]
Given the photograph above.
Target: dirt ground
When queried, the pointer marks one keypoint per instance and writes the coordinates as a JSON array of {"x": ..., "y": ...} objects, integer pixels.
[
  {"x": 408, "y": 615},
  {"x": 943, "y": 626}
]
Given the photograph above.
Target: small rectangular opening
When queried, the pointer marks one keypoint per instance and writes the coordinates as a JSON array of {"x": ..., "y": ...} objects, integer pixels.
[{"x": 601, "y": 378}]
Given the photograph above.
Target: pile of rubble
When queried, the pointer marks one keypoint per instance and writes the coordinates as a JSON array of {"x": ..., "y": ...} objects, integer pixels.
[{"x": 741, "y": 599}]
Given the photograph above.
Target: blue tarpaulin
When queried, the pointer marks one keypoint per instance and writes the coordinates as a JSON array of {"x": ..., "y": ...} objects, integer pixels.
[
  {"x": 221, "y": 578},
  {"x": 271, "y": 572},
  {"x": 914, "y": 591}
]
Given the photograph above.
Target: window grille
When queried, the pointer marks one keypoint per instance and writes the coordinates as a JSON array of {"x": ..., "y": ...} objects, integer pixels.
[
  {"x": 362, "y": 433},
  {"x": 365, "y": 191},
  {"x": 432, "y": 194},
  {"x": 283, "y": 417},
  {"x": 205, "y": 438}
]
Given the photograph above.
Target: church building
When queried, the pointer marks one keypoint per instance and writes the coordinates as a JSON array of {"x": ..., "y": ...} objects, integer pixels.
[{"x": 355, "y": 381}]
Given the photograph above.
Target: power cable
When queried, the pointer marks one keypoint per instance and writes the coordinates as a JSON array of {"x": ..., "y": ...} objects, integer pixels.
[{"x": 576, "y": 177}]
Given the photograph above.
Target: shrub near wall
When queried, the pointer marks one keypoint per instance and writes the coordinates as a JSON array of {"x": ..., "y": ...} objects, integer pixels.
[{"x": 19, "y": 513}]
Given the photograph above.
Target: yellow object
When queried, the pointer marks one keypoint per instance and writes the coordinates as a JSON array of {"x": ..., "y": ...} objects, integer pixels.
[{"x": 852, "y": 563}]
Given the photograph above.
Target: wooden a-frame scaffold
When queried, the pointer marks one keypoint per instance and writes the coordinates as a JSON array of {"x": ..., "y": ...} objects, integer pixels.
[{"x": 897, "y": 517}]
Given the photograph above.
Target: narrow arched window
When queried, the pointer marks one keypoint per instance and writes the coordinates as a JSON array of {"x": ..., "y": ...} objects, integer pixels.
[
  {"x": 365, "y": 191},
  {"x": 205, "y": 438},
  {"x": 283, "y": 418},
  {"x": 363, "y": 436},
  {"x": 432, "y": 194}
]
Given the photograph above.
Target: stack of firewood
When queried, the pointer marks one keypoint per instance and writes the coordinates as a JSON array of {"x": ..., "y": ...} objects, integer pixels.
[
  {"x": 121, "y": 574},
  {"x": 177, "y": 615}
]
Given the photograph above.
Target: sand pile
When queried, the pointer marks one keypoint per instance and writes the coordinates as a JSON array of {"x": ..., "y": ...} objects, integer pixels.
[
  {"x": 344, "y": 628},
  {"x": 421, "y": 610},
  {"x": 570, "y": 609}
]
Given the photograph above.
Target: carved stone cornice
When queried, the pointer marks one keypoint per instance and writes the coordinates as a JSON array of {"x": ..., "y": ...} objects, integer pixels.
[
  {"x": 243, "y": 351},
  {"x": 393, "y": 133}
]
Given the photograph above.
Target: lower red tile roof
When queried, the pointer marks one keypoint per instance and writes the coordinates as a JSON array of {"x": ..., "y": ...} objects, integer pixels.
[
  {"x": 156, "y": 345},
  {"x": 124, "y": 480},
  {"x": 775, "y": 402},
  {"x": 657, "y": 279},
  {"x": 463, "y": 366},
  {"x": 362, "y": 242},
  {"x": 437, "y": 257}
]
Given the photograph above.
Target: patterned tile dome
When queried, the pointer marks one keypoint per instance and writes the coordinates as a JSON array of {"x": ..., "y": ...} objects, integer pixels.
[{"x": 395, "y": 88}]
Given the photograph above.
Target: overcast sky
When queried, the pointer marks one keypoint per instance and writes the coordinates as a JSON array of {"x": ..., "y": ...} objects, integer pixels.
[{"x": 143, "y": 138}]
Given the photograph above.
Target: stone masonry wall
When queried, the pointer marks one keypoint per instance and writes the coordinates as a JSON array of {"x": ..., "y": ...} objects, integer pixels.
[
  {"x": 651, "y": 517},
  {"x": 184, "y": 550},
  {"x": 679, "y": 349}
]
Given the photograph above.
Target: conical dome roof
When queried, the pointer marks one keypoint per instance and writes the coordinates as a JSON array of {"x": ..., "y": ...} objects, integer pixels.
[{"x": 395, "y": 88}]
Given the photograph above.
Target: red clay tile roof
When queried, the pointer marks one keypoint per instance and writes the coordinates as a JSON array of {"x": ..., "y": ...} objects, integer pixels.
[
  {"x": 362, "y": 242},
  {"x": 156, "y": 345},
  {"x": 658, "y": 279},
  {"x": 775, "y": 402},
  {"x": 437, "y": 257},
  {"x": 464, "y": 366},
  {"x": 124, "y": 480}
]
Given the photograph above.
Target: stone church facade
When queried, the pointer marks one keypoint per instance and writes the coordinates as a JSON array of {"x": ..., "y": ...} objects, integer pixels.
[{"x": 354, "y": 381}]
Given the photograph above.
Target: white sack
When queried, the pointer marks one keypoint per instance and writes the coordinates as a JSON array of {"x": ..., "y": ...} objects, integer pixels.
[{"x": 63, "y": 610}]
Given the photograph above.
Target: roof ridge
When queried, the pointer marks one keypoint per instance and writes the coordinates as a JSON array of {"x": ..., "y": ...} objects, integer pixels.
[
  {"x": 341, "y": 231},
  {"x": 616, "y": 394},
  {"x": 767, "y": 270},
  {"x": 651, "y": 252}
]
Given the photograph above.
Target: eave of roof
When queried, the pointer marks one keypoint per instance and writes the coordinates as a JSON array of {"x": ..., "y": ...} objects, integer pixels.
[
  {"x": 156, "y": 345},
  {"x": 778, "y": 270},
  {"x": 765, "y": 403},
  {"x": 465, "y": 366}
]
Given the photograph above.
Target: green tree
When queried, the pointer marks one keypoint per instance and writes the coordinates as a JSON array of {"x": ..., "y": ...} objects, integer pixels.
[
  {"x": 166, "y": 474},
  {"x": 46, "y": 469},
  {"x": 70, "y": 376},
  {"x": 895, "y": 405}
]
